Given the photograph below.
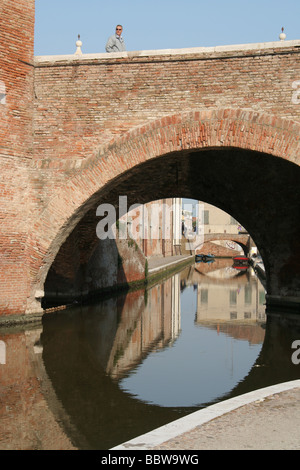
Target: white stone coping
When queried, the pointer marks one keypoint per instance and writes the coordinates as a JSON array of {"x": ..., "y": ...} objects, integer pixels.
[
  {"x": 187, "y": 423},
  {"x": 166, "y": 265},
  {"x": 169, "y": 52}
]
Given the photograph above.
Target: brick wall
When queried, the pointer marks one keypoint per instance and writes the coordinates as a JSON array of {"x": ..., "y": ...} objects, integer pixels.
[
  {"x": 16, "y": 148},
  {"x": 16, "y": 73},
  {"x": 99, "y": 116},
  {"x": 97, "y": 100},
  {"x": 73, "y": 129},
  {"x": 218, "y": 250}
]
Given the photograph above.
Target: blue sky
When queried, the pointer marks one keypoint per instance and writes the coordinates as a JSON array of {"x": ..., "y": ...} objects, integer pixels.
[{"x": 161, "y": 24}]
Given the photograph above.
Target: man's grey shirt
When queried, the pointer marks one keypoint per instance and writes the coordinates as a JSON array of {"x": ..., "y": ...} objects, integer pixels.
[{"x": 115, "y": 43}]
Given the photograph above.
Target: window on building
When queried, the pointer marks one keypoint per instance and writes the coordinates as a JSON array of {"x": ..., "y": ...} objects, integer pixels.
[
  {"x": 232, "y": 297},
  {"x": 204, "y": 296},
  {"x": 248, "y": 295},
  {"x": 206, "y": 217}
]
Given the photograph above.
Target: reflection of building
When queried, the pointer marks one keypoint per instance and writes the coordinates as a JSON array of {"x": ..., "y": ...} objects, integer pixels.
[
  {"x": 153, "y": 326},
  {"x": 175, "y": 305},
  {"x": 238, "y": 298}
]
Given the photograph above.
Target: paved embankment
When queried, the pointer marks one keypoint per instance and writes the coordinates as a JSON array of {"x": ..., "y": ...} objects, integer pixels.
[
  {"x": 267, "y": 419},
  {"x": 158, "y": 264}
]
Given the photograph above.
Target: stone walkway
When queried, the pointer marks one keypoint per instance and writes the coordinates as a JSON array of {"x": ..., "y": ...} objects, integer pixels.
[
  {"x": 266, "y": 419},
  {"x": 158, "y": 263}
]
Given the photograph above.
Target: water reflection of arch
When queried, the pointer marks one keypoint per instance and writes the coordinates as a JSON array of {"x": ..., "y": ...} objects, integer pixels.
[
  {"x": 213, "y": 276},
  {"x": 217, "y": 264},
  {"x": 80, "y": 371},
  {"x": 228, "y": 292},
  {"x": 274, "y": 364}
]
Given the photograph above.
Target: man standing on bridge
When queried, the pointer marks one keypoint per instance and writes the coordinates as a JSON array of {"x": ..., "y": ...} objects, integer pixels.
[{"x": 115, "y": 43}]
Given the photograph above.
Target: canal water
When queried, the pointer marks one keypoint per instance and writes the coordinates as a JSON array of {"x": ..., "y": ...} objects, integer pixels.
[{"x": 95, "y": 376}]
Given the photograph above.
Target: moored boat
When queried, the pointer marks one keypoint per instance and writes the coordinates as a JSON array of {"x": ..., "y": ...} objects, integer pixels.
[
  {"x": 241, "y": 260},
  {"x": 204, "y": 257}
]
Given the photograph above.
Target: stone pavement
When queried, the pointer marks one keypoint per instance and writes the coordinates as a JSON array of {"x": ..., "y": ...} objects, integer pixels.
[
  {"x": 265, "y": 419},
  {"x": 157, "y": 264}
]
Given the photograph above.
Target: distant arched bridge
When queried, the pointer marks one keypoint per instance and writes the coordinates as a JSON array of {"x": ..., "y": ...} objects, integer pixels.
[{"x": 242, "y": 239}]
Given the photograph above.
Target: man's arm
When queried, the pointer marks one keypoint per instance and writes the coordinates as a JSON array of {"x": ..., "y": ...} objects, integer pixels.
[{"x": 111, "y": 45}]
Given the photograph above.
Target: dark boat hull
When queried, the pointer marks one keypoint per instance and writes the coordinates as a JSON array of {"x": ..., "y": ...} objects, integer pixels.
[
  {"x": 204, "y": 258},
  {"x": 240, "y": 261}
]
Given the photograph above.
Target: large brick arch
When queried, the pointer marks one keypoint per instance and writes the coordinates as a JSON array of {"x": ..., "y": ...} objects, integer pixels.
[{"x": 197, "y": 130}]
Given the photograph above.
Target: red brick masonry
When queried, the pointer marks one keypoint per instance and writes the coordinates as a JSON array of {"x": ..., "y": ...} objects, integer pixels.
[{"x": 74, "y": 128}]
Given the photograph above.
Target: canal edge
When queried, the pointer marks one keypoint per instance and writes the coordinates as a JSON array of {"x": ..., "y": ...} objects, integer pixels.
[
  {"x": 155, "y": 275},
  {"x": 187, "y": 423}
]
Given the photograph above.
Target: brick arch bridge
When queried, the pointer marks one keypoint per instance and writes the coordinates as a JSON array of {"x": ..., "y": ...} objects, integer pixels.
[
  {"x": 244, "y": 162},
  {"x": 242, "y": 239},
  {"x": 217, "y": 124}
]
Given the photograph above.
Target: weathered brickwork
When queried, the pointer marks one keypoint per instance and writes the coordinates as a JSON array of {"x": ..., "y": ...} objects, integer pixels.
[
  {"x": 80, "y": 130},
  {"x": 99, "y": 100},
  {"x": 220, "y": 250},
  {"x": 16, "y": 148},
  {"x": 149, "y": 176},
  {"x": 16, "y": 73}
]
